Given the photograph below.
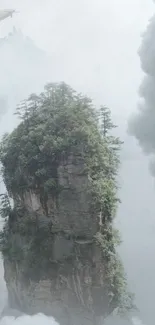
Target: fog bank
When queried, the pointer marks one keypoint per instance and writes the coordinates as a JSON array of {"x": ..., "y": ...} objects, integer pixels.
[{"x": 142, "y": 123}]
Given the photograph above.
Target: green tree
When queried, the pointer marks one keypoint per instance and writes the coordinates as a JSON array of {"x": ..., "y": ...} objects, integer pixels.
[
  {"x": 113, "y": 143},
  {"x": 106, "y": 121}
]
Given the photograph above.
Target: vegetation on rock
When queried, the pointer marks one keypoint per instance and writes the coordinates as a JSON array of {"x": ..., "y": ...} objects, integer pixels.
[{"x": 58, "y": 121}]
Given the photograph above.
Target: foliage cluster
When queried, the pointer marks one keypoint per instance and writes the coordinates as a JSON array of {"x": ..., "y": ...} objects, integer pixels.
[
  {"x": 122, "y": 300},
  {"x": 28, "y": 245},
  {"x": 53, "y": 123}
]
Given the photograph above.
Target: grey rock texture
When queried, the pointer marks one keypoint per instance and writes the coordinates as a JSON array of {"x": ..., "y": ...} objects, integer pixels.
[
  {"x": 72, "y": 286},
  {"x": 70, "y": 212},
  {"x": 10, "y": 312}
]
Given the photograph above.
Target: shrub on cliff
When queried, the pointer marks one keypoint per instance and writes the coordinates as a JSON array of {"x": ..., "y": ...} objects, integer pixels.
[{"x": 58, "y": 121}]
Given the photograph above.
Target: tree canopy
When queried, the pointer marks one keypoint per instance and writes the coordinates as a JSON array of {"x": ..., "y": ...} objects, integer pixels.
[{"x": 52, "y": 123}]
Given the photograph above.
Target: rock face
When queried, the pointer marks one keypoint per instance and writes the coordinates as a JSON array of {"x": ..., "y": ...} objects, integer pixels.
[
  {"x": 58, "y": 244},
  {"x": 70, "y": 212},
  {"x": 72, "y": 289}
]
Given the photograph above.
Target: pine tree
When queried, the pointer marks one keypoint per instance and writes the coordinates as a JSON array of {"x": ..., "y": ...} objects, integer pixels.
[
  {"x": 28, "y": 108},
  {"x": 22, "y": 111},
  {"x": 106, "y": 122},
  {"x": 113, "y": 146},
  {"x": 113, "y": 142}
]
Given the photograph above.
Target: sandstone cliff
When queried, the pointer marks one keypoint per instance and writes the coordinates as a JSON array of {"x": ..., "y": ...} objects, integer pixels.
[{"x": 58, "y": 243}]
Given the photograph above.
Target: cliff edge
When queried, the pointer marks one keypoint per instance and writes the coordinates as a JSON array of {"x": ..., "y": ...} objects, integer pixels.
[{"x": 59, "y": 243}]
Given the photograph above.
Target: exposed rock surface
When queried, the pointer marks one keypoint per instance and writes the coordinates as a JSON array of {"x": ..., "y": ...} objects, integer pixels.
[
  {"x": 11, "y": 312},
  {"x": 59, "y": 244},
  {"x": 73, "y": 290},
  {"x": 70, "y": 211}
]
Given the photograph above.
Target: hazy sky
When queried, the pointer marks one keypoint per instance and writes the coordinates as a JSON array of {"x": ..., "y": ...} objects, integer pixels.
[{"x": 93, "y": 43}]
